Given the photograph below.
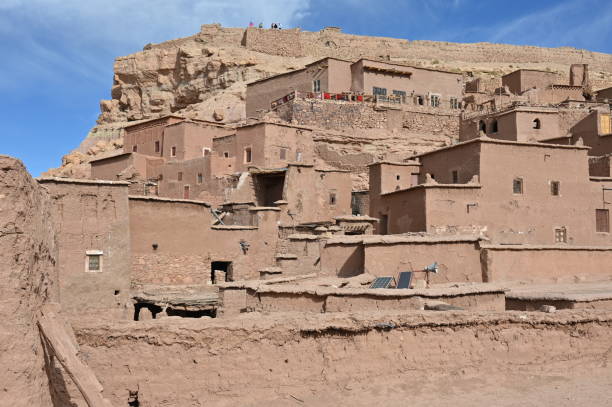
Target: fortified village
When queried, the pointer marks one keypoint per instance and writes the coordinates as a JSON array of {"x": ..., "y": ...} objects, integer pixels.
[{"x": 352, "y": 227}]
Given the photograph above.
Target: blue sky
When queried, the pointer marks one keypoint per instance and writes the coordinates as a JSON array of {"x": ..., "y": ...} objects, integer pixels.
[{"x": 57, "y": 55}]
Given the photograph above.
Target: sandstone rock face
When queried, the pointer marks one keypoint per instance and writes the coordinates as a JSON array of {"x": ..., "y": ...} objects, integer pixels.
[
  {"x": 204, "y": 76},
  {"x": 27, "y": 281}
]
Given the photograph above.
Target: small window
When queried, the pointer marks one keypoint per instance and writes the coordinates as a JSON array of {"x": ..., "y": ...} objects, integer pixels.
[
  {"x": 455, "y": 177},
  {"x": 298, "y": 156},
  {"x": 397, "y": 177},
  {"x": 555, "y": 188},
  {"x": 179, "y": 176},
  {"x": 379, "y": 91},
  {"x": 517, "y": 186},
  {"x": 186, "y": 192},
  {"x": 157, "y": 147},
  {"x": 173, "y": 151},
  {"x": 537, "y": 124},
  {"x": 134, "y": 148},
  {"x": 200, "y": 178},
  {"x": 283, "y": 153},
  {"x": 161, "y": 177},
  {"x": 248, "y": 155},
  {"x": 316, "y": 85},
  {"x": 494, "y": 127},
  {"x": 94, "y": 261},
  {"x": 419, "y": 100},
  {"x": 332, "y": 198},
  {"x": 561, "y": 235},
  {"x": 205, "y": 151},
  {"x": 482, "y": 126},
  {"x": 602, "y": 220},
  {"x": 226, "y": 154},
  {"x": 401, "y": 94},
  {"x": 434, "y": 100},
  {"x": 454, "y": 103}
]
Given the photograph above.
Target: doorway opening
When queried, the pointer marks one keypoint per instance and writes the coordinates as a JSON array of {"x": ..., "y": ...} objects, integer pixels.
[
  {"x": 269, "y": 188},
  {"x": 221, "y": 271}
]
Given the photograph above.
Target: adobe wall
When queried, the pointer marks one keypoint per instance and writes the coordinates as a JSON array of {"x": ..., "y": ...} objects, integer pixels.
[
  {"x": 546, "y": 264},
  {"x": 465, "y": 159},
  {"x": 28, "y": 280},
  {"x": 91, "y": 215},
  {"x": 342, "y": 259},
  {"x": 187, "y": 242},
  {"x": 458, "y": 260},
  {"x": 287, "y": 43},
  {"x": 352, "y": 360}
]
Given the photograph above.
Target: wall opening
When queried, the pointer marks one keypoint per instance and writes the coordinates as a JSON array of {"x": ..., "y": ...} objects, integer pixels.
[
  {"x": 384, "y": 224},
  {"x": 269, "y": 188},
  {"x": 561, "y": 235},
  {"x": 455, "y": 175},
  {"x": 602, "y": 220},
  {"x": 248, "y": 155},
  {"x": 482, "y": 126},
  {"x": 221, "y": 271},
  {"x": 537, "y": 124},
  {"x": 157, "y": 147},
  {"x": 186, "y": 192},
  {"x": 494, "y": 127},
  {"x": 555, "y": 188},
  {"x": 517, "y": 186}
]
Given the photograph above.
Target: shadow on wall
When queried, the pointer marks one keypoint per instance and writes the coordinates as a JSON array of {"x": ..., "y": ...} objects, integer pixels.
[{"x": 353, "y": 264}]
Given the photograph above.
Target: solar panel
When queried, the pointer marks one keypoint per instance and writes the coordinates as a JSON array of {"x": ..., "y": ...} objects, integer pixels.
[
  {"x": 381, "y": 282},
  {"x": 404, "y": 280}
]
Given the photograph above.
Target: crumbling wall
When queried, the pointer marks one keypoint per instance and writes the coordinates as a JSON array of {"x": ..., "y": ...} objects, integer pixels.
[
  {"x": 27, "y": 280},
  {"x": 353, "y": 359}
]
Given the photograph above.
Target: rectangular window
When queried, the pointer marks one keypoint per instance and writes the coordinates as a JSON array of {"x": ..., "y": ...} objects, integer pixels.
[
  {"x": 379, "y": 91},
  {"x": 173, "y": 151},
  {"x": 401, "y": 94},
  {"x": 157, "y": 147},
  {"x": 179, "y": 176},
  {"x": 298, "y": 156},
  {"x": 435, "y": 100},
  {"x": 283, "y": 153},
  {"x": 226, "y": 154},
  {"x": 517, "y": 186},
  {"x": 200, "y": 178},
  {"x": 134, "y": 148},
  {"x": 454, "y": 103},
  {"x": 419, "y": 100},
  {"x": 332, "y": 198},
  {"x": 555, "y": 188},
  {"x": 455, "y": 177},
  {"x": 93, "y": 261},
  {"x": 316, "y": 85},
  {"x": 248, "y": 155},
  {"x": 186, "y": 192},
  {"x": 561, "y": 235},
  {"x": 602, "y": 220}
]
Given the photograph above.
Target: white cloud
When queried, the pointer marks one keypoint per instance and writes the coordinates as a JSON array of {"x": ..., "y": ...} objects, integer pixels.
[{"x": 48, "y": 37}]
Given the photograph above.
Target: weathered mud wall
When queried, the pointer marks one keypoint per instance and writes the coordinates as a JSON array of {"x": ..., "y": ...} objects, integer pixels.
[
  {"x": 344, "y": 359},
  {"x": 27, "y": 281}
]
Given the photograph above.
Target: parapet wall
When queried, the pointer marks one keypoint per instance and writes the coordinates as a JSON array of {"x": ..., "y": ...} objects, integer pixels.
[{"x": 348, "y": 359}]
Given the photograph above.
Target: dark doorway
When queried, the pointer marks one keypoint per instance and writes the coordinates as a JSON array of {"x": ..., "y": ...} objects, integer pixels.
[
  {"x": 269, "y": 188},
  {"x": 221, "y": 271},
  {"x": 384, "y": 224}
]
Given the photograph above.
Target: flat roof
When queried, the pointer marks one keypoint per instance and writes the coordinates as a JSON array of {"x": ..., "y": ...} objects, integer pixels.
[
  {"x": 407, "y": 66},
  {"x": 318, "y": 61},
  {"x": 530, "y": 70},
  {"x": 82, "y": 181},
  {"x": 434, "y": 185},
  {"x": 408, "y": 163},
  {"x": 155, "y": 119},
  {"x": 166, "y": 200},
  {"x": 109, "y": 157},
  {"x": 506, "y": 142},
  {"x": 264, "y": 122}
]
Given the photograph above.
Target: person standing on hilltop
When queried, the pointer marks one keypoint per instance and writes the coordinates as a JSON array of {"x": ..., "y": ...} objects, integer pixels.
[
  {"x": 251, "y": 24},
  {"x": 260, "y": 25}
]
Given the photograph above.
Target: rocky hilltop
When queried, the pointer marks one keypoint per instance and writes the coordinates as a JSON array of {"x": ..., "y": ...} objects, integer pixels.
[{"x": 205, "y": 75}]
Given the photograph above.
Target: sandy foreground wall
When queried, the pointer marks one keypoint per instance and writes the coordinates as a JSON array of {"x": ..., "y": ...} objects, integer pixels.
[
  {"x": 28, "y": 279},
  {"x": 352, "y": 359}
]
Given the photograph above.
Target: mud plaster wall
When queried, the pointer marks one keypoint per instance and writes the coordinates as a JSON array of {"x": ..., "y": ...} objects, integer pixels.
[
  {"x": 260, "y": 360},
  {"x": 187, "y": 244},
  {"x": 92, "y": 217},
  {"x": 458, "y": 261},
  {"x": 546, "y": 265},
  {"x": 28, "y": 279}
]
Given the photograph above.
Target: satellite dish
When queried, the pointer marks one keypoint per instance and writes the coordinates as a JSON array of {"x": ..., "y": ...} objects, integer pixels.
[{"x": 432, "y": 268}]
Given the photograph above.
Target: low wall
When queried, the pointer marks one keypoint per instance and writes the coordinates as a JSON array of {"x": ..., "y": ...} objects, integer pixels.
[
  {"x": 546, "y": 264},
  {"x": 356, "y": 359},
  {"x": 293, "y": 298}
]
